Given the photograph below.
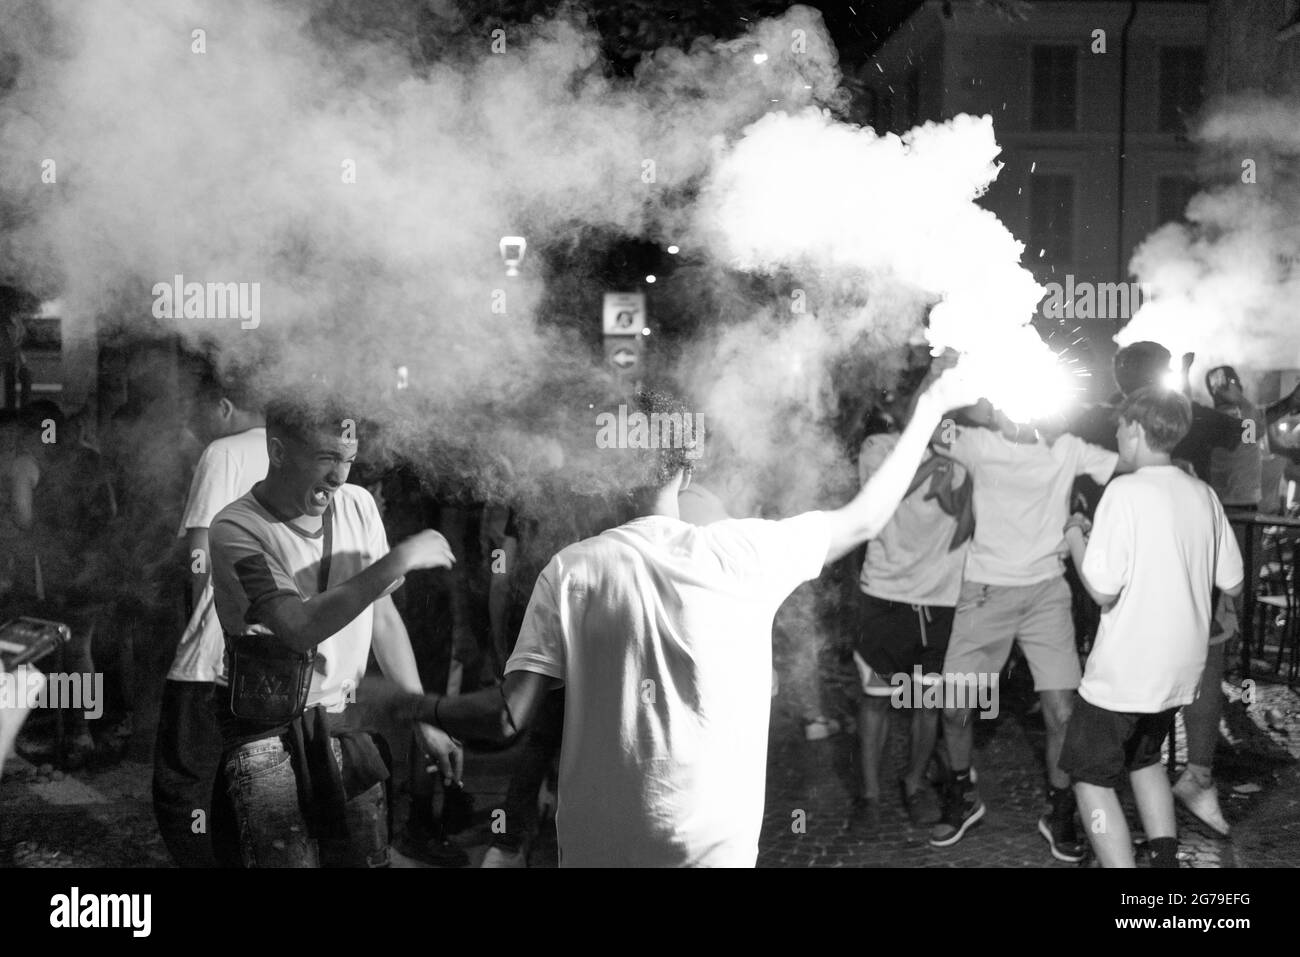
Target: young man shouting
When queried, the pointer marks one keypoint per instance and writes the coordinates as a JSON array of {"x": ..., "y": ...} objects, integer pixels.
[{"x": 302, "y": 563}]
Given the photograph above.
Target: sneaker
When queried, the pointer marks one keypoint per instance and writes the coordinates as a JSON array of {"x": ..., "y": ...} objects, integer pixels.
[
  {"x": 819, "y": 729},
  {"x": 503, "y": 857},
  {"x": 864, "y": 816},
  {"x": 921, "y": 805},
  {"x": 1057, "y": 828},
  {"x": 435, "y": 850},
  {"x": 962, "y": 809},
  {"x": 1203, "y": 802},
  {"x": 1062, "y": 838}
]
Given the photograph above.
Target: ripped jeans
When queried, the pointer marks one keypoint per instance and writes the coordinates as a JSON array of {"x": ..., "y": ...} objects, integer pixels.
[{"x": 272, "y": 829}]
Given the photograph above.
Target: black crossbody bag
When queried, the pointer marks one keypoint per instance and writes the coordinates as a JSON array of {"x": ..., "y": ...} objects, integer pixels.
[{"x": 269, "y": 681}]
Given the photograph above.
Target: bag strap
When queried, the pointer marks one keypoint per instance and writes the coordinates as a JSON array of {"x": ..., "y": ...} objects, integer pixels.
[
  {"x": 327, "y": 552},
  {"x": 926, "y": 469}
]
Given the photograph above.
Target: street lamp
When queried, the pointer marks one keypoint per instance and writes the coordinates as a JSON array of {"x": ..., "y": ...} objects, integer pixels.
[{"x": 512, "y": 253}]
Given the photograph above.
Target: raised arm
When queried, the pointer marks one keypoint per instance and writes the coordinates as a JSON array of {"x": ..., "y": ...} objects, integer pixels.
[{"x": 870, "y": 510}]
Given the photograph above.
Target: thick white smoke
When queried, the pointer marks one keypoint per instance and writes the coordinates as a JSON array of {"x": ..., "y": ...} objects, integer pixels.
[
  {"x": 365, "y": 192},
  {"x": 1224, "y": 284},
  {"x": 895, "y": 215}
]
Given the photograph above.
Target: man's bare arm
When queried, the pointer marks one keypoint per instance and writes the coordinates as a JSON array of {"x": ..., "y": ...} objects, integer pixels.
[
  {"x": 871, "y": 509},
  {"x": 304, "y": 624},
  {"x": 392, "y": 647},
  {"x": 1078, "y": 548},
  {"x": 493, "y": 714}
]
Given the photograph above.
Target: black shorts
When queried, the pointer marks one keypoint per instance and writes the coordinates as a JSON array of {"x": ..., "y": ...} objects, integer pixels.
[
  {"x": 895, "y": 637},
  {"x": 1101, "y": 746}
]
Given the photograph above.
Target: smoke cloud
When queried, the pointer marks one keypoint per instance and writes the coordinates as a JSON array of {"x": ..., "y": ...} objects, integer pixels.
[
  {"x": 365, "y": 190},
  {"x": 1224, "y": 283}
]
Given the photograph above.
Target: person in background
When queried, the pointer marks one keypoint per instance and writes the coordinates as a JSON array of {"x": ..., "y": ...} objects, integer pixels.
[
  {"x": 909, "y": 585},
  {"x": 1236, "y": 475},
  {"x": 187, "y": 752},
  {"x": 1160, "y": 544},
  {"x": 63, "y": 505}
]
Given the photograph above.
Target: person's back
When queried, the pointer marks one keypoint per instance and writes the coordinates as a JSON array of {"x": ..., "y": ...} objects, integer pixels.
[
  {"x": 1022, "y": 499},
  {"x": 666, "y": 634},
  {"x": 1159, "y": 539}
]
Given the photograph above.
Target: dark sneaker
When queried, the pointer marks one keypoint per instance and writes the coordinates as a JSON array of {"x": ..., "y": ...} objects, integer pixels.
[
  {"x": 1063, "y": 839},
  {"x": 436, "y": 850},
  {"x": 921, "y": 805},
  {"x": 962, "y": 809},
  {"x": 1057, "y": 827},
  {"x": 864, "y": 816}
]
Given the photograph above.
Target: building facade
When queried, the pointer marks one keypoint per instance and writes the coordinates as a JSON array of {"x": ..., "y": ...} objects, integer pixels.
[{"x": 1064, "y": 87}]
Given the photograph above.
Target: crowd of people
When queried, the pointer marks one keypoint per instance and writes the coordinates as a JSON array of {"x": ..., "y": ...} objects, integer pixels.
[
  {"x": 639, "y": 670},
  {"x": 1136, "y": 493}
]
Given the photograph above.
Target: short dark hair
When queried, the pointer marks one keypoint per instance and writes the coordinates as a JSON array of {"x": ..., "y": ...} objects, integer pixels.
[
  {"x": 212, "y": 384},
  {"x": 302, "y": 414},
  {"x": 1230, "y": 374},
  {"x": 1141, "y": 364},
  {"x": 661, "y": 464},
  {"x": 1165, "y": 416}
]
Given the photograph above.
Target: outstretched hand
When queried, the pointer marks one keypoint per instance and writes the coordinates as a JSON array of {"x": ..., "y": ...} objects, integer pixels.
[{"x": 952, "y": 387}]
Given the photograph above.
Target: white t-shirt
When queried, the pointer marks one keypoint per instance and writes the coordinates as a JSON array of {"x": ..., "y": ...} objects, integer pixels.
[
  {"x": 256, "y": 556},
  {"x": 1022, "y": 501},
  {"x": 909, "y": 560},
  {"x": 662, "y": 633},
  {"x": 228, "y": 468},
  {"x": 1160, "y": 541}
]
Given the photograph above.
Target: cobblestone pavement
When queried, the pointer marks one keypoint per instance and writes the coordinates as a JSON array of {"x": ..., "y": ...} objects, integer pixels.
[
  {"x": 103, "y": 818},
  {"x": 810, "y": 785}
]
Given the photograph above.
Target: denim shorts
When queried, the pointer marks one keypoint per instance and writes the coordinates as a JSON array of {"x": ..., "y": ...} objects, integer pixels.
[{"x": 273, "y": 832}]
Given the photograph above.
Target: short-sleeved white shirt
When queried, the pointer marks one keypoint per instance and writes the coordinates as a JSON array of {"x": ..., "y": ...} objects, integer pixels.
[
  {"x": 228, "y": 468},
  {"x": 256, "y": 556},
  {"x": 662, "y": 633},
  {"x": 1160, "y": 541},
  {"x": 1022, "y": 501}
]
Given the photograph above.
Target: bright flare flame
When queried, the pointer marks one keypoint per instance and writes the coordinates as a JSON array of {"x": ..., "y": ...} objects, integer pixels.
[
  {"x": 1172, "y": 380},
  {"x": 1023, "y": 378}
]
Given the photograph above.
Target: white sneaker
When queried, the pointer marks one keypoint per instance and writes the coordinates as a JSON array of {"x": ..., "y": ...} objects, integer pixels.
[
  {"x": 819, "y": 729},
  {"x": 498, "y": 857},
  {"x": 1202, "y": 802}
]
